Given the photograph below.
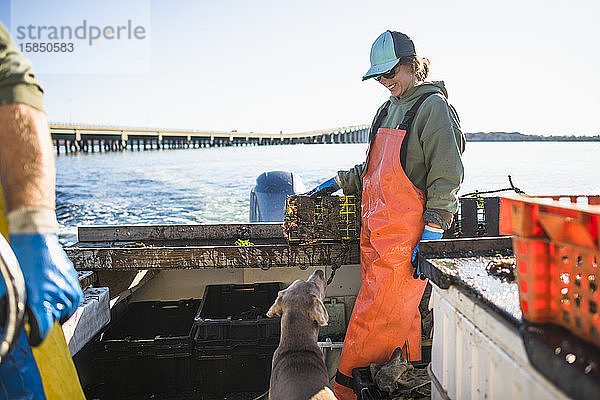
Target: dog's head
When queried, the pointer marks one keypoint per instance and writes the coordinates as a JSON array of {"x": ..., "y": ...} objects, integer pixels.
[{"x": 304, "y": 296}]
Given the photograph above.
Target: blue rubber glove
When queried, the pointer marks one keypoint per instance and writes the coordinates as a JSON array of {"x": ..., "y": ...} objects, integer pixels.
[
  {"x": 53, "y": 291},
  {"x": 325, "y": 188},
  {"x": 430, "y": 233}
]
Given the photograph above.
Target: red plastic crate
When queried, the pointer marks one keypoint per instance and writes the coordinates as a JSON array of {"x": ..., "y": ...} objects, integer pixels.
[
  {"x": 578, "y": 296},
  {"x": 541, "y": 217},
  {"x": 574, "y": 198},
  {"x": 520, "y": 218},
  {"x": 533, "y": 278},
  {"x": 557, "y": 275},
  {"x": 570, "y": 225}
]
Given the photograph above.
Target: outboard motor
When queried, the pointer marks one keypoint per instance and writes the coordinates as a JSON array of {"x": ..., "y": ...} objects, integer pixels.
[{"x": 267, "y": 198}]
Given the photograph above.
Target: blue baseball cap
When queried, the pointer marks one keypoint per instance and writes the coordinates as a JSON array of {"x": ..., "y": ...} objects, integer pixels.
[{"x": 387, "y": 50}]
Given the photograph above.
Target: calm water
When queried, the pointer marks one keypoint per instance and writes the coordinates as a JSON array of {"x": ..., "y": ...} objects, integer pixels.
[{"x": 213, "y": 185}]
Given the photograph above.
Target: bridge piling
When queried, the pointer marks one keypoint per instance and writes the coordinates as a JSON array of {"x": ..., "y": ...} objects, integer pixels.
[{"x": 85, "y": 139}]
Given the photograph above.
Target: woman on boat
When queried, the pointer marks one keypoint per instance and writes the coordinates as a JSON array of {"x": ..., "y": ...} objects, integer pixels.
[{"x": 409, "y": 184}]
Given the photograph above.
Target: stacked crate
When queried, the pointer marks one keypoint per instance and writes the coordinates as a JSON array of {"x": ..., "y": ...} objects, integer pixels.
[
  {"x": 147, "y": 350},
  {"x": 556, "y": 246},
  {"x": 217, "y": 347},
  {"x": 234, "y": 338}
]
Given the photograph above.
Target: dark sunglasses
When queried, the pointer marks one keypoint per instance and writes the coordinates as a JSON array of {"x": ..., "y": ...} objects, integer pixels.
[{"x": 388, "y": 75}]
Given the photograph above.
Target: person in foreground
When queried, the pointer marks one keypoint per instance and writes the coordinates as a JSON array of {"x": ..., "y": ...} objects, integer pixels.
[
  {"x": 409, "y": 184},
  {"x": 28, "y": 220}
]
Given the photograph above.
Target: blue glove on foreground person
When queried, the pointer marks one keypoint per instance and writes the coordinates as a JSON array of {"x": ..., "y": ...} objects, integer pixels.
[
  {"x": 53, "y": 291},
  {"x": 430, "y": 233},
  {"x": 326, "y": 188}
]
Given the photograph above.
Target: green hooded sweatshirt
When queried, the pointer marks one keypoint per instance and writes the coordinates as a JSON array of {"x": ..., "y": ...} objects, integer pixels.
[
  {"x": 17, "y": 81},
  {"x": 435, "y": 146}
]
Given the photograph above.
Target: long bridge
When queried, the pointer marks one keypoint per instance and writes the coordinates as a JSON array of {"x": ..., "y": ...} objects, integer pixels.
[{"x": 79, "y": 138}]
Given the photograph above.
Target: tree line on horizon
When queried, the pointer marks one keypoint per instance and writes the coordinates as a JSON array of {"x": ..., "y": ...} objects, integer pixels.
[{"x": 520, "y": 137}]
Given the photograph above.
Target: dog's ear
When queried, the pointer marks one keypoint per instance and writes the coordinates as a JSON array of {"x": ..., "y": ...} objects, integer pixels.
[
  {"x": 276, "y": 310},
  {"x": 319, "y": 312}
]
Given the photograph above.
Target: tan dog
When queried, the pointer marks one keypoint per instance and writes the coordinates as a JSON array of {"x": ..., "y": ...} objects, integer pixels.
[{"x": 298, "y": 371}]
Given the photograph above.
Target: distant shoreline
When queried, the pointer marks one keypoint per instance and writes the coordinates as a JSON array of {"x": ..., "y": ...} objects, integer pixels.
[{"x": 519, "y": 137}]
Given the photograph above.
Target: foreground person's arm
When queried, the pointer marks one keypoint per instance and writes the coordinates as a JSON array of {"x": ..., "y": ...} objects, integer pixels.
[{"x": 28, "y": 173}]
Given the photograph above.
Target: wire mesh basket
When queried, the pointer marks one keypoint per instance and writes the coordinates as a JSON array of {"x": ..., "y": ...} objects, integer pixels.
[{"x": 321, "y": 219}]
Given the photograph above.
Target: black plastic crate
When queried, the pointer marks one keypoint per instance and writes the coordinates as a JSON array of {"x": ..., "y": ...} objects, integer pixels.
[
  {"x": 476, "y": 216},
  {"x": 234, "y": 349},
  {"x": 153, "y": 322},
  {"x": 238, "y": 313},
  {"x": 143, "y": 377},
  {"x": 148, "y": 349},
  {"x": 228, "y": 369},
  {"x": 234, "y": 340}
]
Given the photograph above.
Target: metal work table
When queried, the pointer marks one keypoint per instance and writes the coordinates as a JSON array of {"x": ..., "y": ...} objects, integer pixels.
[{"x": 570, "y": 363}]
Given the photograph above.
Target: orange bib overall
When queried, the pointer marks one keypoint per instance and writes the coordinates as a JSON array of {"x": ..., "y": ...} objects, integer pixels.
[{"x": 386, "y": 313}]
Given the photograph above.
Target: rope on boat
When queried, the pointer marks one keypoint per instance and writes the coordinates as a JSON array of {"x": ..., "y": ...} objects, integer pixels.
[
  {"x": 335, "y": 264},
  {"x": 512, "y": 187}
]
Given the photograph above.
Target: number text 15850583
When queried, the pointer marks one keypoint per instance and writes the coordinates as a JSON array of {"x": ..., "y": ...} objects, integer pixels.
[{"x": 62, "y": 47}]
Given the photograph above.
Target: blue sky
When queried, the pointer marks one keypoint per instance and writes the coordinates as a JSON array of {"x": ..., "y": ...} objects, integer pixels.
[{"x": 266, "y": 66}]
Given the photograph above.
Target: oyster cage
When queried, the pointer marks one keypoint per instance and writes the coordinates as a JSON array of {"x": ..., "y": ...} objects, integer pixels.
[{"x": 321, "y": 219}]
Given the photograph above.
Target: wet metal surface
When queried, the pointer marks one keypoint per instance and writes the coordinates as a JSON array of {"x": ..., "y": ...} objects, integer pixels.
[
  {"x": 464, "y": 262},
  {"x": 471, "y": 273}
]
